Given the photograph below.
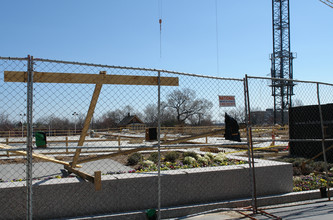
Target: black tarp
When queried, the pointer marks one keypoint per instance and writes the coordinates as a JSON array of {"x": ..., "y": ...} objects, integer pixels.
[
  {"x": 231, "y": 129},
  {"x": 304, "y": 123}
]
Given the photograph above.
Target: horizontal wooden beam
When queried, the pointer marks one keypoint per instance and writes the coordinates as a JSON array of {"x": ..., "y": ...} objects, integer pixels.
[
  {"x": 34, "y": 155},
  {"x": 82, "y": 78},
  {"x": 106, "y": 156},
  {"x": 196, "y": 136},
  {"x": 81, "y": 174},
  {"x": 71, "y": 141}
]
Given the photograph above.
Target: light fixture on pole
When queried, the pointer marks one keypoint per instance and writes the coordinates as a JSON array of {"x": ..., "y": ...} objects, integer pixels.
[
  {"x": 75, "y": 114},
  {"x": 22, "y": 117}
]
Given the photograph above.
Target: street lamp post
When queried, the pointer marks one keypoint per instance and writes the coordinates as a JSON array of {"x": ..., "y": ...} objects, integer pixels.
[
  {"x": 75, "y": 114},
  {"x": 22, "y": 116},
  {"x": 50, "y": 125}
]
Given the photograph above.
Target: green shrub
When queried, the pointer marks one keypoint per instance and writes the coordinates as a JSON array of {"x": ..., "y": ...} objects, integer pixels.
[
  {"x": 209, "y": 155},
  {"x": 171, "y": 156},
  {"x": 189, "y": 160},
  {"x": 153, "y": 157},
  {"x": 220, "y": 157},
  {"x": 203, "y": 160},
  {"x": 147, "y": 163},
  {"x": 134, "y": 159},
  {"x": 190, "y": 154},
  {"x": 208, "y": 158},
  {"x": 306, "y": 169},
  {"x": 319, "y": 166}
]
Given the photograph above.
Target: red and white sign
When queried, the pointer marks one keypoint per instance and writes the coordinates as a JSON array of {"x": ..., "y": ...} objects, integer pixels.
[{"x": 227, "y": 101}]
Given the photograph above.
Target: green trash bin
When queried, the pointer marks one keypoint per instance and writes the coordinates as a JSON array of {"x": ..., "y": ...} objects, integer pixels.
[
  {"x": 151, "y": 214},
  {"x": 40, "y": 139}
]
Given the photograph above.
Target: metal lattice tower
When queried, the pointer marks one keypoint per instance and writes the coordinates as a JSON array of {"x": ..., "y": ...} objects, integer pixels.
[{"x": 282, "y": 60}]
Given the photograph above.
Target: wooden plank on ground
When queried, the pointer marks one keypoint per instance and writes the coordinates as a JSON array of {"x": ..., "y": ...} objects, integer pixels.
[
  {"x": 105, "y": 156},
  {"x": 49, "y": 77},
  {"x": 38, "y": 156},
  {"x": 96, "y": 179},
  {"x": 117, "y": 135},
  {"x": 81, "y": 174},
  {"x": 185, "y": 139}
]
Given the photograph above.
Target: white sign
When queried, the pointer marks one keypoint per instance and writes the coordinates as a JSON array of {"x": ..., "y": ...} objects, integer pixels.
[{"x": 227, "y": 101}]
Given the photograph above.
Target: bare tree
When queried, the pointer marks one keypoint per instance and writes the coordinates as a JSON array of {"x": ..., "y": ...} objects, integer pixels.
[
  {"x": 237, "y": 113},
  {"x": 185, "y": 105},
  {"x": 150, "y": 115},
  {"x": 5, "y": 123},
  {"x": 201, "y": 120},
  {"x": 297, "y": 102},
  {"x": 111, "y": 119},
  {"x": 128, "y": 110}
]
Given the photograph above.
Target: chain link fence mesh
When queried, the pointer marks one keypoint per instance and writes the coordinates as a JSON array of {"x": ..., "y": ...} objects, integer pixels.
[
  {"x": 300, "y": 139},
  {"x": 13, "y": 111},
  {"x": 121, "y": 139}
]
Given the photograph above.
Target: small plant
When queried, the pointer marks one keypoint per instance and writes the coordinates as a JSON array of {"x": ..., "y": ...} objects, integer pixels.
[
  {"x": 171, "y": 156},
  {"x": 203, "y": 160},
  {"x": 153, "y": 157},
  {"x": 209, "y": 155},
  {"x": 220, "y": 157},
  {"x": 134, "y": 159},
  {"x": 189, "y": 160},
  {"x": 190, "y": 154},
  {"x": 309, "y": 182},
  {"x": 319, "y": 166},
  {"x": 147, "y": 163},
  {"x": 323, "y": 182}
]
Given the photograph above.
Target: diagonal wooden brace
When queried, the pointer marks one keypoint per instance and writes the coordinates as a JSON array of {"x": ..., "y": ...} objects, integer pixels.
[{"x": 90, "y": 113}]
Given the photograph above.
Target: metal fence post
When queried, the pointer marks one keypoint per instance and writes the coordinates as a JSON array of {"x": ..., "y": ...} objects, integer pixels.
[
  {"x": 250, "y": 144},
  {"x": 159, "y": 145},
  {"x": 29, "y": 136},
  {"x": 323, "y": 140}
]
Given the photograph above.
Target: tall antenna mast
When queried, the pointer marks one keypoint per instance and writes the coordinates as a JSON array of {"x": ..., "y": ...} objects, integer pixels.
[{"x": 281, "y": 60}]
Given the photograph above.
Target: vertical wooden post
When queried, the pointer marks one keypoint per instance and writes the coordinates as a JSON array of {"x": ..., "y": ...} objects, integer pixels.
[
  {"x": 87, "y": 121},
  {"x": 66, "y": 144},
  {"x": 98, "y": 180},
  {"x": 119, "y": 142},
  {"x": 7, "y": 142},
  {"x": 206, "y": 139}
]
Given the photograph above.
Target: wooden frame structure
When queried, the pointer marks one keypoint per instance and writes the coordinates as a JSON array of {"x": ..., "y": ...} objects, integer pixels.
[
  {"x": 98, "y": 80},
  {"x": 34, "y": 155}
]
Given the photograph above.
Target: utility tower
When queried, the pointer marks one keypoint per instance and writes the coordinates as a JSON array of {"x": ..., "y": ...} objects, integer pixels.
[{"x": 281, "y": 60}]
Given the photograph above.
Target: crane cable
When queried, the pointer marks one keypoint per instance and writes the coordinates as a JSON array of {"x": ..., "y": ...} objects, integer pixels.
[
  {"x": 217, "y": 40},
  {"x": 329, "y": 3},
  {"x": 160, "y": 22}
]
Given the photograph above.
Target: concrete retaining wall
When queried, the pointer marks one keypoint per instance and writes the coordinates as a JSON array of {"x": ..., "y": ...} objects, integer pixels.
[{"x": 70, "y": 197}]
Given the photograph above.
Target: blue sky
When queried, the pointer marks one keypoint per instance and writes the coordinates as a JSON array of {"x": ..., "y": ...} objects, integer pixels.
[{"x": 126, "y": 33}]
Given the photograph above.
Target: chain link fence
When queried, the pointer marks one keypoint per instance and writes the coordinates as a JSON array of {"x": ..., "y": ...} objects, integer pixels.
[
  {"x": 99, "y": 139},
  {"x": 304, "y": 139}
]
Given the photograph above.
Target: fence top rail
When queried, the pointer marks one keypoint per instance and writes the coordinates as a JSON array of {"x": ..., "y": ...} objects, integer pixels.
[
  {"x": 13, "y": 58},
  {"x": 122, "y": 67},
  {"x": 291, "y": 80},
  {"x": 160, "y": 70}
]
